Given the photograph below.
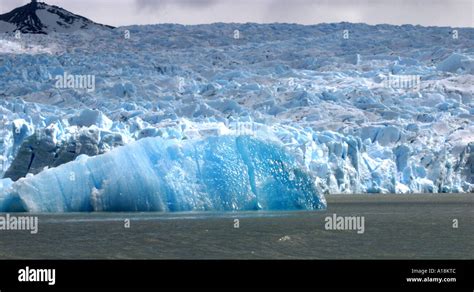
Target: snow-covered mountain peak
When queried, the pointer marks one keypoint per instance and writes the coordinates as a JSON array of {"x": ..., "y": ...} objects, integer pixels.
[{"x": 41, "y": 18}]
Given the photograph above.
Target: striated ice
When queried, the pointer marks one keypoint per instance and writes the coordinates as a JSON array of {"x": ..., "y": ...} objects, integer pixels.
[{"x": 153, "y": 174}]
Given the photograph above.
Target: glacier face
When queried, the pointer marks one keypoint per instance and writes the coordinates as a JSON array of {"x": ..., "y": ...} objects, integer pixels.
[
  {"x": 389, "y": 109},
  {"x": 224, "y": 173}
]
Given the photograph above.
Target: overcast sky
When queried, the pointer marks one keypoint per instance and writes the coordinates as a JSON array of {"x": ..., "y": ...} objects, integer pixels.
[{"x": 126, "y": 12}]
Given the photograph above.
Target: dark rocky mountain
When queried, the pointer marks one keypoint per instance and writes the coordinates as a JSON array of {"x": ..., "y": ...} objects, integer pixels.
[{"x": 41, "y": 18}]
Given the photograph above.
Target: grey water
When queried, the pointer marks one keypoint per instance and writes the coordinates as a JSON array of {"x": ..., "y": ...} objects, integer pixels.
[{"x": 396, "y": 227}]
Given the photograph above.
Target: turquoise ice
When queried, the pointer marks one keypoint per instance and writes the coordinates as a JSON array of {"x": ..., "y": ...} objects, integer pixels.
[{"x": 223, "y": 173}]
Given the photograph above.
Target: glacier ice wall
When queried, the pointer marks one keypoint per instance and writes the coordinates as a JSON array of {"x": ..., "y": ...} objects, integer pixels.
[
  {"x": 339, "y": 106},
  {"x": 218, "y": 173}
]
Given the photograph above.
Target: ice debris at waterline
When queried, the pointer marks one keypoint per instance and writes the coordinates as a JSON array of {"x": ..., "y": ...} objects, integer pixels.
[{"x": 218, "y": 173}]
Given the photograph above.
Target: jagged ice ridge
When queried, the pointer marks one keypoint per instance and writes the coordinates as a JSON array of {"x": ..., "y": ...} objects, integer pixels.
[{"x": 337, "y": 106}]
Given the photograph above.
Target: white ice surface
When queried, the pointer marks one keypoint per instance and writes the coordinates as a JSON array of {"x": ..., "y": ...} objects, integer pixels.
[{"x": 324, "y": 97}]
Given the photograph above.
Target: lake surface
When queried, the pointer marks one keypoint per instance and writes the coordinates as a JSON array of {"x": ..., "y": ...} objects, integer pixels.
[{"x": 396, "y": 227}]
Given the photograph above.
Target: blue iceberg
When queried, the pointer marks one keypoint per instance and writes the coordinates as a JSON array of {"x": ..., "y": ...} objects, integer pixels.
[{"x": 226, "y": 173}]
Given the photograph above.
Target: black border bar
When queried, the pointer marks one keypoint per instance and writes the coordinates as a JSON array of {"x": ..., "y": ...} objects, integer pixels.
[{"x": 237, "y": 274}]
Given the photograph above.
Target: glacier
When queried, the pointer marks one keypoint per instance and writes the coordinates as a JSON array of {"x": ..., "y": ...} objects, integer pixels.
[
  {"x": 225, "y": 173},
  {"x": 387, "y": 110}
]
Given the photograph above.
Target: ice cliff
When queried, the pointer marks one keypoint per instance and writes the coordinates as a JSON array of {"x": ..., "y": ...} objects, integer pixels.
[
  {"x": 219, "y": 173},
  {"x": 359, "y": 108}
]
